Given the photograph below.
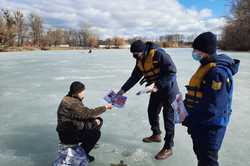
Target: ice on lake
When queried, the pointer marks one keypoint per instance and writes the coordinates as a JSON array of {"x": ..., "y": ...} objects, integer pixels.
[{"x": 33, "y": 83}]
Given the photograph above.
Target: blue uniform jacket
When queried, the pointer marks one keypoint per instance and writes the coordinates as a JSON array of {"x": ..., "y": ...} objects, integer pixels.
[
  {"x": 167, "y": 80},
  {"x": 215, "y": 104}
]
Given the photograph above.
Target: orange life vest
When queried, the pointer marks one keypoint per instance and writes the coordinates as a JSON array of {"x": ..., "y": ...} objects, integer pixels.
[{"x": 149, "y": 67}]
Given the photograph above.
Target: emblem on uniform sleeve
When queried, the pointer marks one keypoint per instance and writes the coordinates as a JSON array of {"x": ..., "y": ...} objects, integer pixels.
[{"x": 216, "y": 85}]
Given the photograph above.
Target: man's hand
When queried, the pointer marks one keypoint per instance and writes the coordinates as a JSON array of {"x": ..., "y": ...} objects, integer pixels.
[
  {"x": 108, "y": 106},
  {"x": 98, "y": 122},
  {"x": 151, "y": 88},
  {"x": 120, "y": 92},
  {"x": 179, "y": 98}
]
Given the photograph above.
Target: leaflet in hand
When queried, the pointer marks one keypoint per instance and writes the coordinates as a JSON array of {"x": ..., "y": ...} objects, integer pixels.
[
  {"x": 148, "y": 89},
  {"x": 179, "y": 108},
  {"x": 142, "y": 92},
  {"x": 116, "y": 100}
]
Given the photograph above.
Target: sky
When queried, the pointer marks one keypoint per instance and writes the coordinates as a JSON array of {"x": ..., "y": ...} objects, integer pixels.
[
  {"x": 218, "y": 7},
  {"x": 129, "y": 18}
]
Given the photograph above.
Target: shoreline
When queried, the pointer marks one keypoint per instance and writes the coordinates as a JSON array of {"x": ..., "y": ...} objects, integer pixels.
[
  {"x": 25, "y": 49},
  {"x": 30, "y": 49}
]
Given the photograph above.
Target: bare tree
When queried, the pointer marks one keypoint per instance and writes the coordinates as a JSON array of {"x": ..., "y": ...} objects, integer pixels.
[
  {"x": 172, "y": 38},
  {"x": 2, "y": 30},
  {"x": 76, "y": 41},
  {"x": 9, "y": 27},
  {"x": 92, "y": 41},
  {"x": 87, "y": 37},
  {"x": 36, "y": 24},
  {"x": 84, "y": 34},
  {"x": 69, "y": 37},
  {"x": 109, "y": 42},
  {"x": 118, "y": 41},
  {"x": 21, "y": 27},
  {"x": 55, "y": 37},
  {"x": 236, "y": 34}
]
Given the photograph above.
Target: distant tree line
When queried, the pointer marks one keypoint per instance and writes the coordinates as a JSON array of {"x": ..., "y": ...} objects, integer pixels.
[
  {"x": 18, "y": 30},
  {"x": 236, "y": 34},
  {"x": 175, "y": 40}
]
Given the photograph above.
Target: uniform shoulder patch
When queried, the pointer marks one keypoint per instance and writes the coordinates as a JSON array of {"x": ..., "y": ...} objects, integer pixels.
[{"x": 216, "y": 85}]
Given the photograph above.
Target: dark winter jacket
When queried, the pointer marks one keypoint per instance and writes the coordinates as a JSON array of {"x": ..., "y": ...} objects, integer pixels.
[
  {"x": 167, "y": 78},
  {"x": 72, "y": 114}
]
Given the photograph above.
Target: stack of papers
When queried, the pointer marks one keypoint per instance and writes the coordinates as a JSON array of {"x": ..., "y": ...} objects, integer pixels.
[{"x": 116, "y": 100}]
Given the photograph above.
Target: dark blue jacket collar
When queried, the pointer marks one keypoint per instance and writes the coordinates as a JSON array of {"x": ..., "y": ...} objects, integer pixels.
[{"x": 224, "y": 60}]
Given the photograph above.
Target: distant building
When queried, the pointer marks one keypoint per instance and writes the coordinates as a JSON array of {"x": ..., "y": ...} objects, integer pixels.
[
  {"x": 125, "y": 46},
  {"x": 64, "y": 46},
  {"x": 102, "y": 46},
  {"x": 113, "y": 46}
]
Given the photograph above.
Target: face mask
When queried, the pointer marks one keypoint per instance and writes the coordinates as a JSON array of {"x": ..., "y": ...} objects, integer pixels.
[
  {"x": 137, "y": 55},
  {"x": 196, "y": 56}
]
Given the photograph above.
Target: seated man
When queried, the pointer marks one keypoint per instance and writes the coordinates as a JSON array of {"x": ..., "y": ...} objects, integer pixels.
[{"x": 77, "y": 123}]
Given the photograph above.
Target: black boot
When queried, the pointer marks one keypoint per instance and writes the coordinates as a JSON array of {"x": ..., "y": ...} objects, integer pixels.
[{"x": 90, "y": 158}]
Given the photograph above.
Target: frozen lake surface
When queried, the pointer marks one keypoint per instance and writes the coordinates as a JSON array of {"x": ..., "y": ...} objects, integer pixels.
[{"x": 33, "y": 83}]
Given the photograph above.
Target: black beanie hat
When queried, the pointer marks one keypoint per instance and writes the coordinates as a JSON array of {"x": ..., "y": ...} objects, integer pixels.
[
  {"x": 206, "y": 42},
  {"x": 137, "y": 46},
  {"x": 76, "y": 87}
]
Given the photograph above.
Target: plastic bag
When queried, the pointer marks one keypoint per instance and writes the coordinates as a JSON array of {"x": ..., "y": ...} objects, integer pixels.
[
  {"x": 179, "y": 108},
  {"x": 71, "y": 155}
]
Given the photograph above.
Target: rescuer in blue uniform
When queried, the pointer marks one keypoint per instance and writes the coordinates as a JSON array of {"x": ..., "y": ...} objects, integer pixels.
[
  {"x": 156, "y": 67},
  {"x": 209, "y": 98}
]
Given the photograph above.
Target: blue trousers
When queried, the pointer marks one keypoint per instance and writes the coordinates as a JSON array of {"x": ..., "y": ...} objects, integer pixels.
[{"x": 206, "y": 144}]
